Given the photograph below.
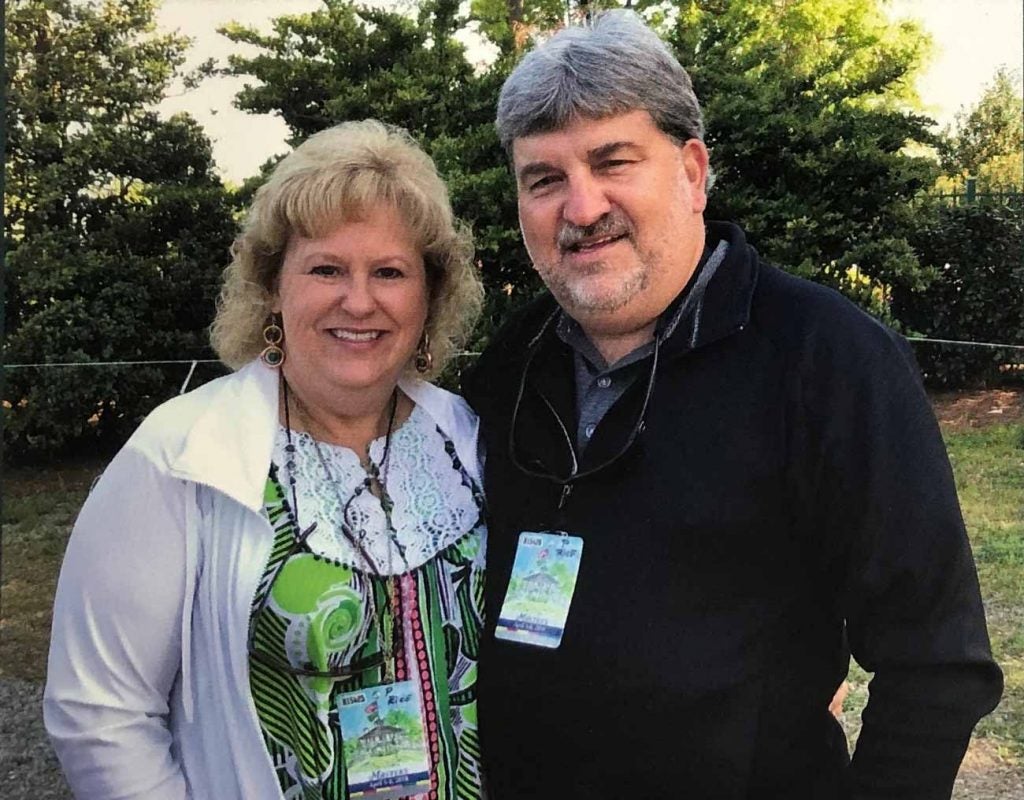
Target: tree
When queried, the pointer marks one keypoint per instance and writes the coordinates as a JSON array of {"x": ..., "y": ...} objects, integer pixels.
[
  {"x": 988, "y": 142},
  {"x": 977, "y": 296},
  {"x": 346, "y": 62},
  {"x": 977, "y": 293},
  {"x": 410, "y": 724},
  {"x": 508, "y": 24},
  {"x": 117, "y": 227},
  {"x": 806, "y": 110},
  {"x": 805, "y": 104}
]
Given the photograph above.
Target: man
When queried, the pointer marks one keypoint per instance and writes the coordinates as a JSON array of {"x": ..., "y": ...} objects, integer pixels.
[{"x": 705, "y": 477}]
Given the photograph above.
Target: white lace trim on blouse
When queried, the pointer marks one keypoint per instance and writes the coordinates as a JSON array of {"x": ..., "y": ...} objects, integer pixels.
[{"x": 432, "y": 508}]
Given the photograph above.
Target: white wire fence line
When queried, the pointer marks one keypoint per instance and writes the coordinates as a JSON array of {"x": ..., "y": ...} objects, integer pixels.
[
  {"x": 994, "y": 345},
  {"x": 193, "y": 363},
  {"x": 462, "y": 354},
  {"x": 158, "y": 361}
]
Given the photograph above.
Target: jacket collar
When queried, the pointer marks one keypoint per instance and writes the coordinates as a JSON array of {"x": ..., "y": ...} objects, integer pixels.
[
  {"x": 725, "y": 305},
  {"x": 230, "y": 443},
  {"x": 530, "y": 336}
]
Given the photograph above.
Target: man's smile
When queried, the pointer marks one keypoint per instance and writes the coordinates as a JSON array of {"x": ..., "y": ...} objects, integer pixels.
[{"x": 591, "y": 245}]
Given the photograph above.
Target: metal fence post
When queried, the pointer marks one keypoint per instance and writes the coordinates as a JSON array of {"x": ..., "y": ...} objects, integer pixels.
[{"x": 188, "y": 378}]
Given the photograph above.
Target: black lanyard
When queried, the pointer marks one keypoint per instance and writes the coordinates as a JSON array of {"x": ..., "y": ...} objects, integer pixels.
[{"x": 567, "y": 481}]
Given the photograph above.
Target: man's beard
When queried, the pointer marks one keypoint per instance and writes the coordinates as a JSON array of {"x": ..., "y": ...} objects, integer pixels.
[{"x": 581, "y": 289}]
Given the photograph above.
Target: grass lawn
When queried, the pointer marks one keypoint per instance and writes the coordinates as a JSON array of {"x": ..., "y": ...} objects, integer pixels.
[
  {"x": 989, "y": 466},
  {"x": 988, "y": 463},
  {"x": 40, "y": 505}
]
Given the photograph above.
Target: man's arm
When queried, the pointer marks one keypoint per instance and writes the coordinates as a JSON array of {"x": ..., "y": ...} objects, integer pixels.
[{"x": 888, "y": 506}]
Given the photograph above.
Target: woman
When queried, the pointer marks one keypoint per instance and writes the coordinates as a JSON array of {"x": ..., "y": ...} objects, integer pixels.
[{"x": 275, "y": 589}]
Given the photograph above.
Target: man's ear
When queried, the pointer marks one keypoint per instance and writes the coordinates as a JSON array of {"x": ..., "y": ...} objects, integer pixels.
[{"x": 695, "y": 167}]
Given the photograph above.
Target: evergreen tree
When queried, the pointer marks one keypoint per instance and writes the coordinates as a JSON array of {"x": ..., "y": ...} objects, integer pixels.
[
  {"x": 345, "y": 62},
  {"x": 117, "y": 228},
  {"x": 806, "y": 109},
  {"x": 806, "y": 104},
  {"x": 988, "y": 142}
]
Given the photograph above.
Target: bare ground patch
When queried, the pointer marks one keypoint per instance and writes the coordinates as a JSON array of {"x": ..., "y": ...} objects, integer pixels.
[
  {"x": 986, "y": 774},
  {"x": 959, "y": 411}
]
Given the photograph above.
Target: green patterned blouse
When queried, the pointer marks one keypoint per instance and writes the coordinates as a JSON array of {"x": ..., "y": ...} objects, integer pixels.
[{"x": 328, "y": 608}]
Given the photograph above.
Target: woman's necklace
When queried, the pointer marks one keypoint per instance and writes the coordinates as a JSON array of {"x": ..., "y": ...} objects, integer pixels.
[
  {"x": 356, "y": 706},
  {"x": 391, "y": 638},
  {"x": 374, "y": 474}
]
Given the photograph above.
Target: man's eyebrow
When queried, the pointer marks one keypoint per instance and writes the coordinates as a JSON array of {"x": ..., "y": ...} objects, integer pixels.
[
  {"x": 609, "y": 149},
  {"x": 534, "y": 169}
]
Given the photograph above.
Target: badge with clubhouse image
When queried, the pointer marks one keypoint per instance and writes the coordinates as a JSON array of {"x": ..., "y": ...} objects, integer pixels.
[
  {"x": 540, "y": 589},
  {"x": 384, "y": 742}
]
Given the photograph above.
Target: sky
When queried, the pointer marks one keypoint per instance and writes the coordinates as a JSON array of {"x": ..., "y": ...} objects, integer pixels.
[{"x": 971, "y": 40}]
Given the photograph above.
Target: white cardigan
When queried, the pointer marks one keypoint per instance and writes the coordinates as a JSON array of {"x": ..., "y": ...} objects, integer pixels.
[{"x": 147, "y": 692}]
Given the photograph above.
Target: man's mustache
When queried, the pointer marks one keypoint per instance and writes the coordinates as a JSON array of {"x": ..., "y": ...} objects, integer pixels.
[{"x": 611, "y": 224}]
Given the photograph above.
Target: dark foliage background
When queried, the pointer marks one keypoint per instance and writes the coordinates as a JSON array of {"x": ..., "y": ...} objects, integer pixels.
[
  {"x": 117, "y": 227},
  {"x": 977, "y": 295}
]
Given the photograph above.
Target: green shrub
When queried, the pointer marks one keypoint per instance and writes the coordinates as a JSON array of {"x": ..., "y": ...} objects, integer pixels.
[
  {"x": 139, "y": 286},
  {"x": 976, "y": 253}
]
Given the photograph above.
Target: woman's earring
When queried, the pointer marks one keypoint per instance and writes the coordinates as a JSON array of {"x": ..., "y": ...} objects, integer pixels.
[
  {"x": 273, "y": 335},
  {"x": 424, "y": 358}
]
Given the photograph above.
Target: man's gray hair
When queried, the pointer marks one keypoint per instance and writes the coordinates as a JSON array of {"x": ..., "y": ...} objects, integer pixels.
[{"x": 615, "y": 65}]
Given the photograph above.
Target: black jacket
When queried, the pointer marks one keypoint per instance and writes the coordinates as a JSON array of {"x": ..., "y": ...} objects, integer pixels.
[{"x": 788, "y": 493}]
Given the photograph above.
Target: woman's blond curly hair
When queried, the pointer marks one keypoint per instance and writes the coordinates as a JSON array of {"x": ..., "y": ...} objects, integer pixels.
[{"x": 339, "y": 175}]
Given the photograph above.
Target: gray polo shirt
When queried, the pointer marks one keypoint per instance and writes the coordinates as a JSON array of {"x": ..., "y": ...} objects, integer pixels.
[{"x": 598, "y": 383}]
